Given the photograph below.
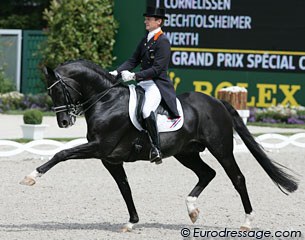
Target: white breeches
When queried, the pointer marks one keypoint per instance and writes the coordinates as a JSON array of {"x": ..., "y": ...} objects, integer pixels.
[{"x": 152, "y": 97}]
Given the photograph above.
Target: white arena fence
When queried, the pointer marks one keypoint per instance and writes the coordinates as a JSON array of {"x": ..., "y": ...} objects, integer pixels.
[
  {"x": 42, "y": 147},
  {"x": 50, "y": 147}
]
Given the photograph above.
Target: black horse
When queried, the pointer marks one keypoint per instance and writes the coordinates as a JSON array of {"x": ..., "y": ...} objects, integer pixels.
[{"x": 83, "y": 87}]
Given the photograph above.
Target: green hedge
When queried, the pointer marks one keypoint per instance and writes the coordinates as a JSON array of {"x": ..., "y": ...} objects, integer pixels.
[
  {"x": 32, "y": 116},
  {"x": 80, "y": 29}
]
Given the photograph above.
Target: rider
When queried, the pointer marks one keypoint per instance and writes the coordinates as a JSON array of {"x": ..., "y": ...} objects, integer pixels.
[{"x": 153, "y": 53}]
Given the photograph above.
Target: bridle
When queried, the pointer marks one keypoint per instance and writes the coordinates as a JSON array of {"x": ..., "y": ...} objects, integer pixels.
[
  {"x": 76, "y": 109},
  {"x": 72, "y": 108}
]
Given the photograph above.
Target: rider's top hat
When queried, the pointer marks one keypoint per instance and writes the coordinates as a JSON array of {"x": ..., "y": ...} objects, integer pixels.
[{"x": 155, "y": 12}]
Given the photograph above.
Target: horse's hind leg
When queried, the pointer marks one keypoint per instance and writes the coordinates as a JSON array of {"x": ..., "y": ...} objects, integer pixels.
[
  {"x": 237, "y": 178},
  {"x": 205, "y": 175},
  {"x": 118, "y": 173}
]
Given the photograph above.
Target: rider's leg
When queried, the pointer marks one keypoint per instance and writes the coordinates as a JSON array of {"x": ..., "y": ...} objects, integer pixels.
[
  {"x": 151, "y": 103},
  {"x": 151, "y": 126}
]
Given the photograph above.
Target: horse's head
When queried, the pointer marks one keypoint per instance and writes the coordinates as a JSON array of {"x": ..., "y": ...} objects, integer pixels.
[{"x": 66, "y": 96}]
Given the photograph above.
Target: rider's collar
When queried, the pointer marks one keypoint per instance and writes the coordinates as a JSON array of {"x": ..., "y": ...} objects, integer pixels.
[{"x": 152, "y": 33}]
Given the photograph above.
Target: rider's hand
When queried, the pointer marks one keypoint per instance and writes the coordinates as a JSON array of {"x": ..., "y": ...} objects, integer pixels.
[
  {"x": 114, "y": 73},
  {"x": 128, "y": 76}
]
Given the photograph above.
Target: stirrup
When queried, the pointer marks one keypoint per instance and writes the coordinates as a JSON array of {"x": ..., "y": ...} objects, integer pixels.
[{"x": 155, "y": 155}]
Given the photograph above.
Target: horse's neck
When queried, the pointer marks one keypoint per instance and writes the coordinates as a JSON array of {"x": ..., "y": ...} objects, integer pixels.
[
  {"x": 114, "y": 99},
  {"x": 92, "y": 81},
  {"x": 94, "y": 85}
]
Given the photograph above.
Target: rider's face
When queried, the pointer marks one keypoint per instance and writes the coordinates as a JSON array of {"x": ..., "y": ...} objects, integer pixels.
[{"x": 152, "y": 23}]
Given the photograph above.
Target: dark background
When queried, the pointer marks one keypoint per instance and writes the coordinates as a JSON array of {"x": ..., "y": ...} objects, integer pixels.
[{"x": 276, "y": 25}]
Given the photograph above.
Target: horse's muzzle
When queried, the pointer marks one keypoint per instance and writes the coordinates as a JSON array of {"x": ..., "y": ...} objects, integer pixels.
[{"x": 65, "y": 121}]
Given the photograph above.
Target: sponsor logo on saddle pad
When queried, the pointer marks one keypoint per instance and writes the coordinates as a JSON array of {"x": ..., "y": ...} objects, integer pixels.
[{"x": 165, "y": 124}]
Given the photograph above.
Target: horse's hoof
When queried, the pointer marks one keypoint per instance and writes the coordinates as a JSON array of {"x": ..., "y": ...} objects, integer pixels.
[
  {"x": 244, "y": 229},
  {"x": 28, "y": 181},
  {"x": 194, "y": 215},
  {"x": 127, "y": 228}
]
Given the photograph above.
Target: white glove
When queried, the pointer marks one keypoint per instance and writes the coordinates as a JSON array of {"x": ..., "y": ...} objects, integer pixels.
[
  {"x": 128, "y": 76},
  {"x": 114, "y": 73}
]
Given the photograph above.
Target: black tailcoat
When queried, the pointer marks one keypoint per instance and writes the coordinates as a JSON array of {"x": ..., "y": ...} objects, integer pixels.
[{"x": 154, "y": 57}]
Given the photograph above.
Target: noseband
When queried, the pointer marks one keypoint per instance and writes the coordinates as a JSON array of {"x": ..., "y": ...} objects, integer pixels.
[{"x": 76, "y": 109}]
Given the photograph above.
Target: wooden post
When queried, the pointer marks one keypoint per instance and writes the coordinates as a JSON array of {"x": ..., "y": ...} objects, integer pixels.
[{"x": 237, "y": 97}]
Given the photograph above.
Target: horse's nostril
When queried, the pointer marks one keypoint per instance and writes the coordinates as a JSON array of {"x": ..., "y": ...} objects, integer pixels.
[{"x": 65, "y": 123}]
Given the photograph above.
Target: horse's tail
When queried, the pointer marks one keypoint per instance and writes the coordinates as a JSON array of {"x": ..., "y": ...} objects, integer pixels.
[{"x": 275, "y": 170}]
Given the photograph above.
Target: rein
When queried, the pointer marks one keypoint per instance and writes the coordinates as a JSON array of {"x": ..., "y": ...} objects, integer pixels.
[
  {"x": 78, "y": 108},
  {"x": 98, "y": 98}
]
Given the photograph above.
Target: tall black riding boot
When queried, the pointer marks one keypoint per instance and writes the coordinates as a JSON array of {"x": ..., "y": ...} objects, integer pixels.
[{"x": 151, "y": 127}]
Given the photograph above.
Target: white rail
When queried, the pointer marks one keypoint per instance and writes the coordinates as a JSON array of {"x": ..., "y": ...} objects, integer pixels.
[
  {"x": 50, "y": 147},
  {"x": 37, "y": 147}
]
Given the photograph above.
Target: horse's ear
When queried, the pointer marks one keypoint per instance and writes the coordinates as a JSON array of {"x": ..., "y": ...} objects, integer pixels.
[{"x": 48, "y": 72}]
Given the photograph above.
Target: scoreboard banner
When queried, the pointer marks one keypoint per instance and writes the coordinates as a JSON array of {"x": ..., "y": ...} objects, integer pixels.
[
  {"x": 247, "y": 35},
  {"x": 256, "y": 44}
]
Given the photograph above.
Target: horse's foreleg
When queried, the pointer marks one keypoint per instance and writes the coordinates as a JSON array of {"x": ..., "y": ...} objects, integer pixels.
[
  {"x": 205, "y": 175},
  {"x": 118, "y": 173},
  {"x": 87, "y": 150}
]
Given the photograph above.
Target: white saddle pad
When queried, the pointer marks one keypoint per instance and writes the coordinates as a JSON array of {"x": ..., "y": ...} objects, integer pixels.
[{"x": 164, "y": 123}]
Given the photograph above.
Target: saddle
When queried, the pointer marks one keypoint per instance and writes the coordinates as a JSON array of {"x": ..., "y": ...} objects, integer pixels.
[
  {"x": 140, "y": 104},
  {"x": 165, "y": 122}
]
